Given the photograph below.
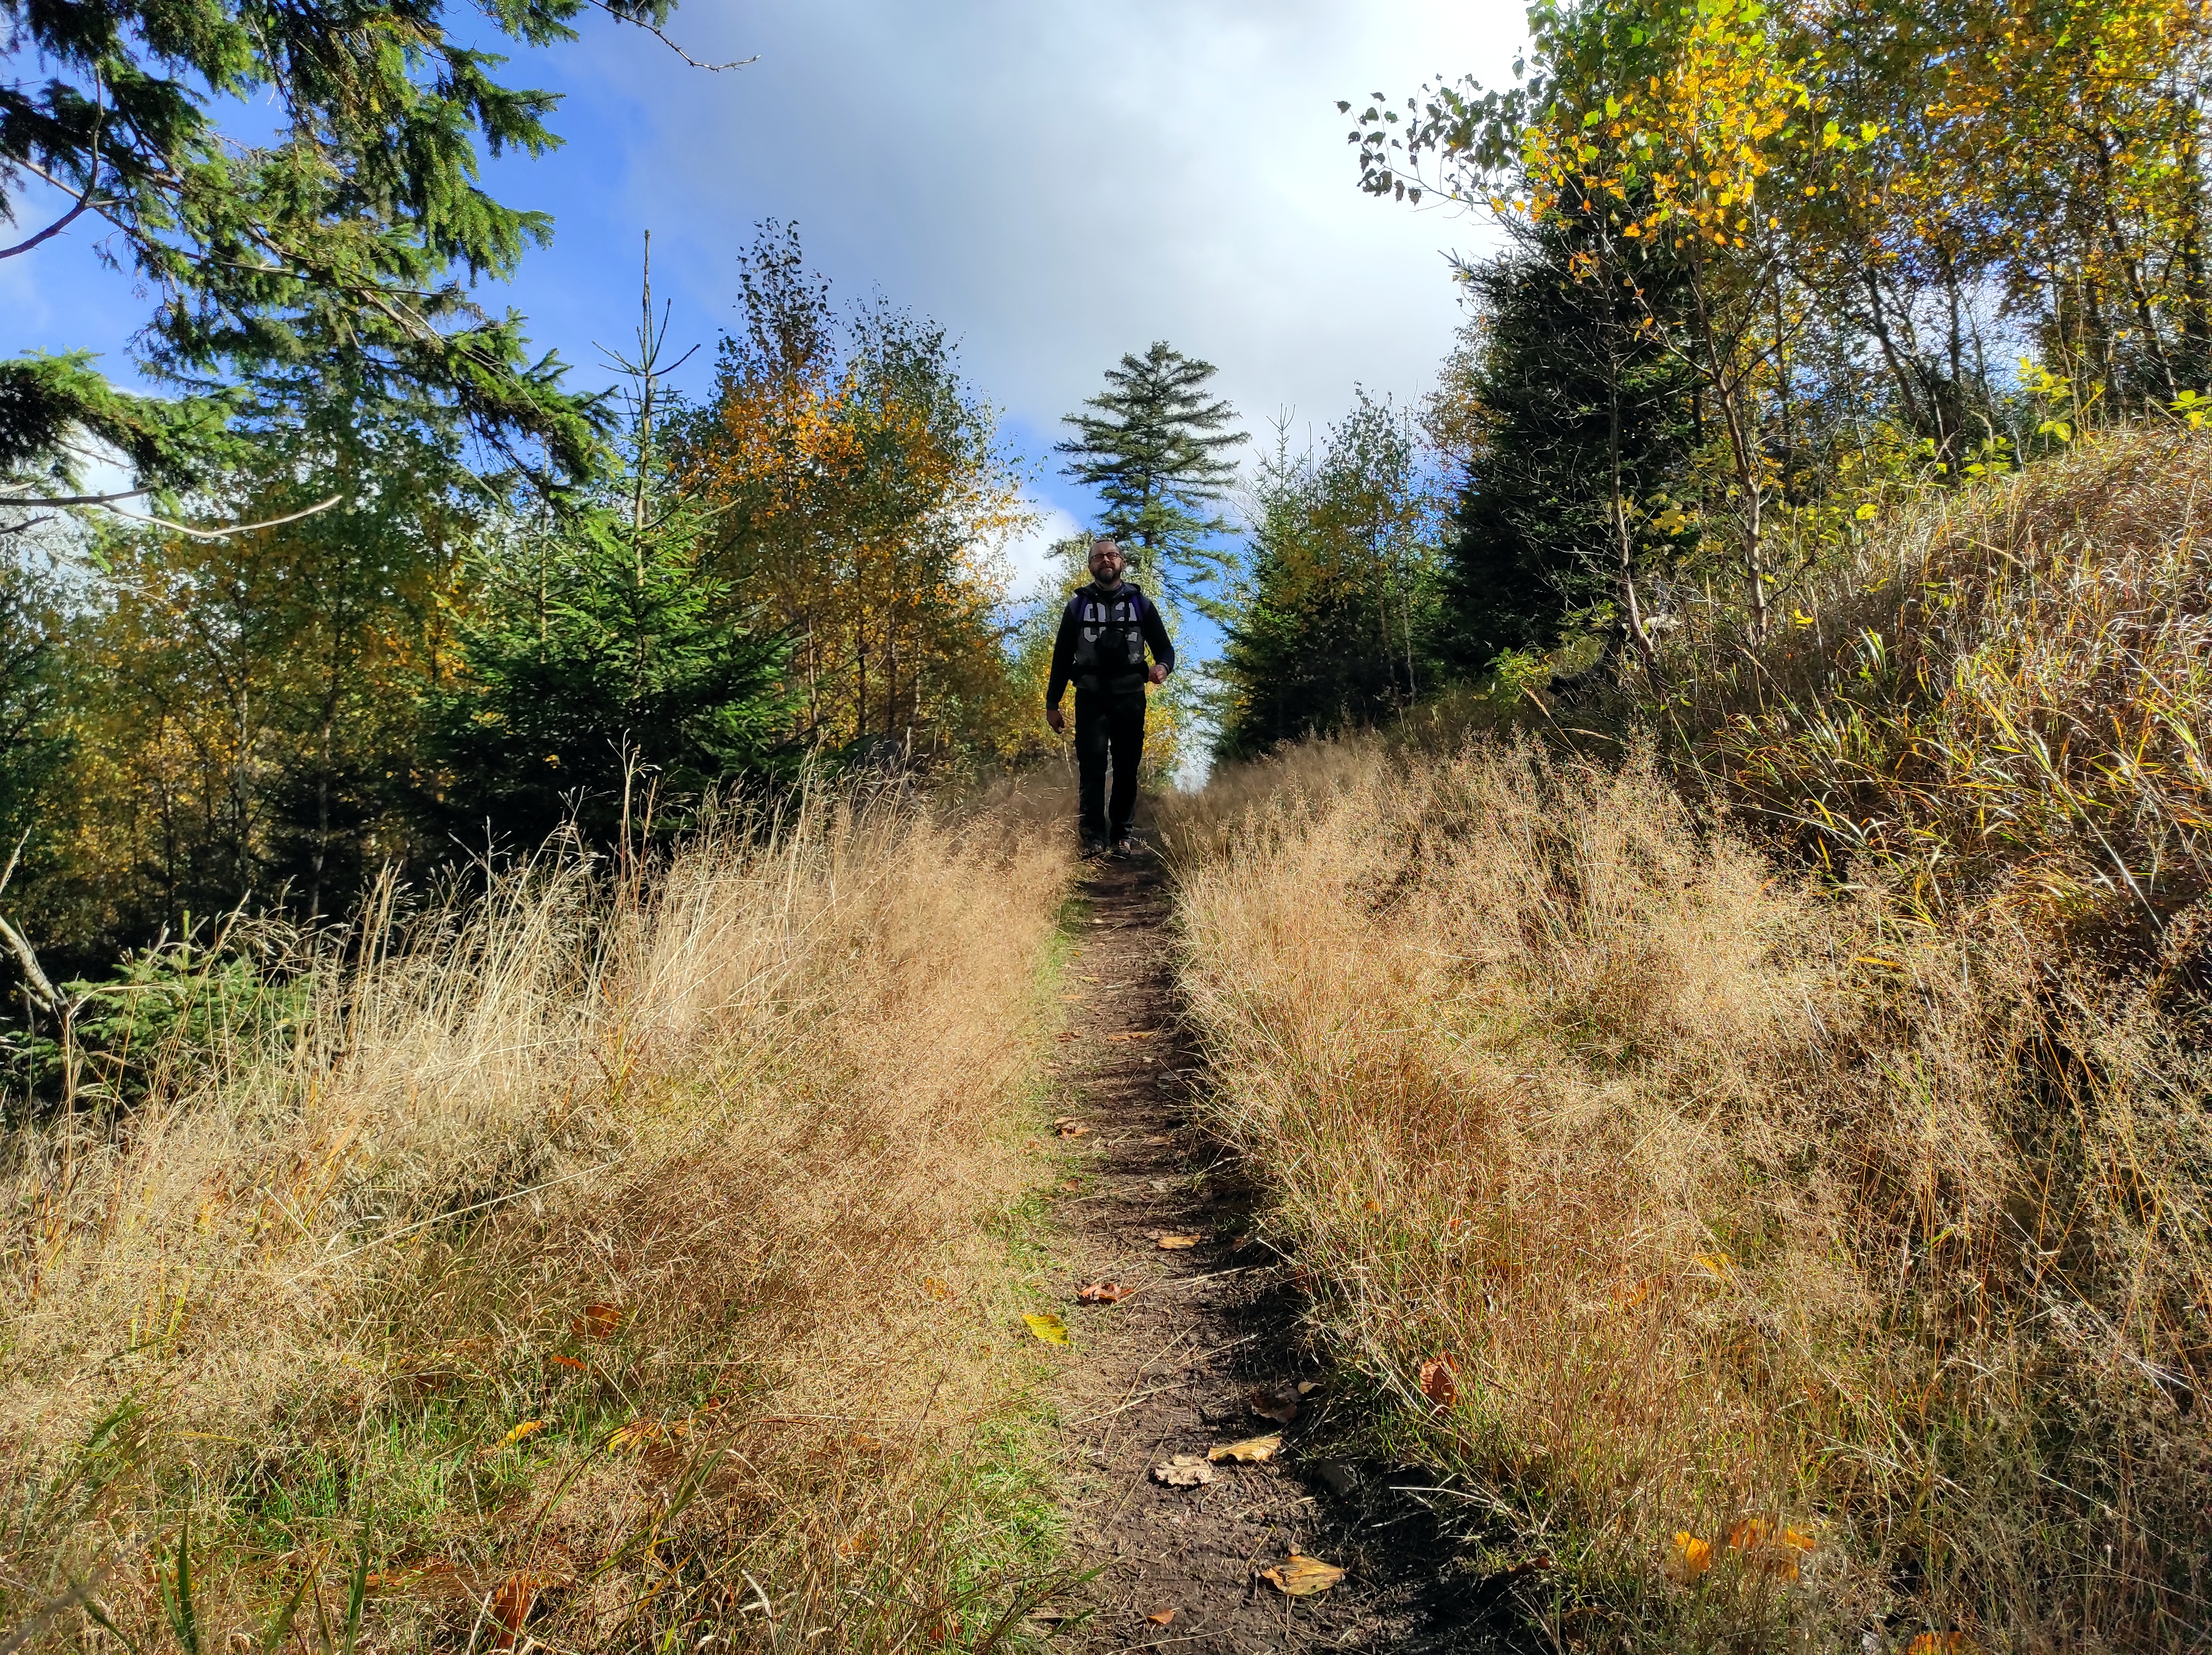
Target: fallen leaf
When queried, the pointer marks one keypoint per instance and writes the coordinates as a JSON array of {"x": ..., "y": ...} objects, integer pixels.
[
  {"x": 1629, "y": 1297},
  {"x": 597, "y": 1322},
  {"x": 1071, "y": 997},
  {"x": 935, "y": 1289},
  {"x": 1253, "y": 1451},
  {"x": 1049, "y": 1328},
  {"x": 1103, "y": 1293},
  {"x": 1941, "y": 1643},
  {"x": 1278, "y": 1403},
  {"x": 1170, "y": 1243},
  {"x": 1374, "y": 1206},
  {"x": 1134, "y": 1035},
  {"x": 1692, "y": 1558},
  {"x": 638, "y": 1433},
  {"x": 1074, "y": 1129},
  {"x": 1715, "y": 1264},
  {"x": 1183, "y": 1471},
  {"x": 1160, "y": 1617},
  {"x": 1440, "y": 1380},
  {"x": 511, "y": 1603},
  {"x": 1301, "y": 1576},
  {"x": 568, "y": 1361},
  {"x": 1765, "y": 1550},
  {"x": 527, "y": 1428}
]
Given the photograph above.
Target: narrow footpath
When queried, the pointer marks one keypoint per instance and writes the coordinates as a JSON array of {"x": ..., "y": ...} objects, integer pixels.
[{"x": 1188, "y": 1346}]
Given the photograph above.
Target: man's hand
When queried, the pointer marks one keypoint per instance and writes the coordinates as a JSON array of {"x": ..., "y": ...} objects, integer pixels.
[
  {"x": 1159, "y": 673},
  {"x": 1056, "y": 718}
]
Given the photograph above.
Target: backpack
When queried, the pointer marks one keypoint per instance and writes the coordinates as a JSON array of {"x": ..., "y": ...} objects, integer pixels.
[{"x": 1110, "y": 640}]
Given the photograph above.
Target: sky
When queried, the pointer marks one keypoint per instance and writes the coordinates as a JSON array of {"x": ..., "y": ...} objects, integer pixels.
[{"x": 1054, "y": 185}]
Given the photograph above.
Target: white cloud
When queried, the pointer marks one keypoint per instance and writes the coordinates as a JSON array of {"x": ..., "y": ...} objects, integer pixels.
[
  {"x": 1028, "y": 554},
  {"x": 1058, "y": 184}
]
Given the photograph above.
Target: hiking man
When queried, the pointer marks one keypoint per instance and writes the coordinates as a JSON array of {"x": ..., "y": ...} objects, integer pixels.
[{"x": 1103, "y": 632}]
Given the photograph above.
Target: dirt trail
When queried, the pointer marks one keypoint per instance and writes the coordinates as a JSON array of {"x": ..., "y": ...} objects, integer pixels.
[{"x": 1172, "y": 1369}]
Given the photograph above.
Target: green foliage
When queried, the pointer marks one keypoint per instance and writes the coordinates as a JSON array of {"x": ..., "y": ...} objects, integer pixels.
[
  {"x": 603, "y": 667},
  {"x": 1330, "y": 622},
  {"x": 1153, "y": 450},
  {"x": 1546, "y": 366},
  {"x": 355, "y": 232}
]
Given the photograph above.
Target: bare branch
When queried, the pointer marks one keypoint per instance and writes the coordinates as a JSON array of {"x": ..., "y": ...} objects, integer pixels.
[
  {"x": 40, "y": 986},
  {"x": 51, "y": 231},
  {"x": 639, "y": 22},
  {"x": 71, "y": 500},
  {"x": 234, "y": 529}
]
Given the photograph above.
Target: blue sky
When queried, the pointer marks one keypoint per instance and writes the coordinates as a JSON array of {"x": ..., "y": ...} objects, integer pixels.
[{"x": 1054, "y": 184}]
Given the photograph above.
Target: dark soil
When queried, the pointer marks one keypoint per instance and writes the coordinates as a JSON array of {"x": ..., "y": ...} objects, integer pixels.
[{"x": 1172, "y": 1369}]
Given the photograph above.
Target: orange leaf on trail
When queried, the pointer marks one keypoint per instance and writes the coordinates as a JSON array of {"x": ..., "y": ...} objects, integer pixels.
[
  {"x": 1253, "y": 1451},
  {"x": 511, "y": 1603},
  {"x": 1301, "y": 1576},
  {"x": 597, "y": 1322},
  {"x": 1103, "y": 1293},
  {"x": 1160, "y": 1617},
  {"x": 1440, "y": 1380},
  {"x": 1073, "y": 1129},
  {"x": 935, "y": 1289},
  {"x": 1172, "y": 1242},
  {"x": 568, "y": 1361}
]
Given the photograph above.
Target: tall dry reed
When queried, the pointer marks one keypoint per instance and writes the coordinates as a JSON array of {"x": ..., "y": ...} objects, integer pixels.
[
  {"x": 1773, "y": 1268},
  {"x": 607, "y": 1261}
]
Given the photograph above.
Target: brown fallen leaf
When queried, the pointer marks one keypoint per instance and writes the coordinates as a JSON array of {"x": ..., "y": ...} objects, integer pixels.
[
  {"x": 1133, "y": 1034},
  {"x": 1183, "y": 1471},
  {"x": 1160, "y": 1617},
  {"x": 511, "y": 1603},
  {"x": 1170, "y": 1243},
  {"x": 1440, "y": 1380},
  {"x": 597, "y": 1322},
  {"x": 1103, "y": 1293},
  {"x": 1253, "y": 1451},
  {"x": 568, "y": 1361},
  {"x": 1300, "y": 1576},
  {"x": 1279, "y": 1402}
]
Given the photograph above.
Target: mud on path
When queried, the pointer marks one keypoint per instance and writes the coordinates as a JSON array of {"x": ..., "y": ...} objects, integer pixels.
[{"x": 1187, "y": 1362}]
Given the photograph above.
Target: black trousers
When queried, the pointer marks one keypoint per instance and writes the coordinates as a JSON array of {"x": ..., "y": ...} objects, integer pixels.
[{"x": 1108, "y": 722}]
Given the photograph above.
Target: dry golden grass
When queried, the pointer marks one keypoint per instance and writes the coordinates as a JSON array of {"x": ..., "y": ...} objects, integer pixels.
[
  {"x": 1725, "y": 1210},
  {"x": 639, "y": 1253},
  {"x": 2000, "y": 698}
]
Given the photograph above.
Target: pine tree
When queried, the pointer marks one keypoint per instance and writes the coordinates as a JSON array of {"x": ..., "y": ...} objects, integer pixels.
[
  {"x": 1153, "y": 450},
  {"x": 1559, "y": 378},
  {"x": 1331, "y": 624},
  {"x": 355, "y": 231},
  {"x": 609, "y": 666}
]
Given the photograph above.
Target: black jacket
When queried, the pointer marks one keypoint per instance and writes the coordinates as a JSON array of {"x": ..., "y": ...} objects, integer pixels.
[{"x": 1102, "y": 640}]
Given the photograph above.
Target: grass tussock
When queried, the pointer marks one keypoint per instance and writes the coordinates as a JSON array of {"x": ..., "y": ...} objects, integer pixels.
[
  {"x": 609, "y": 1262},
  {"x": 2000, "y": 697},
  {"x": 1778, "y": 1265}
]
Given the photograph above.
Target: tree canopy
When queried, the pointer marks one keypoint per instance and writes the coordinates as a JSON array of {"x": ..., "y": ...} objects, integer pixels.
[
  {"x": 1154, "y": 446},
  {"x": 344, "y": 218}
]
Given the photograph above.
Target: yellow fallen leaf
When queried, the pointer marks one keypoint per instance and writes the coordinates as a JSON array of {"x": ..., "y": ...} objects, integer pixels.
[
  {"x": 1253, "y": 1451},
  {"x": 527, "y": 1428},
  {"x": 1050, "y": 1329},
  {"x": 1172, "y": 1242},
  {"x": 1715, "y": 1264},
  {"x": 1301, "y": 1576},
  {"x": 1941, "y": 1643},
  {"x": 1692, "y": 1556},
  {"x": 935, "y": 1289}
]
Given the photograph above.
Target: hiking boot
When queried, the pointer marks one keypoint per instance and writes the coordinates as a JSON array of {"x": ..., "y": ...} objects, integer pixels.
[
  {"x": 1126, "y": 848},
  {"x": 1093, "y": 847}
]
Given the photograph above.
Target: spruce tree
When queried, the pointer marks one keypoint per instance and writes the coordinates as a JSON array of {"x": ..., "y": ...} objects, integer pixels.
[
  {"x": 355, "y": 231},
  {"x": 608, "y": 665},
  {"x": 1152, "y": 447},
  {"x": 1555, "y": 362}
]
